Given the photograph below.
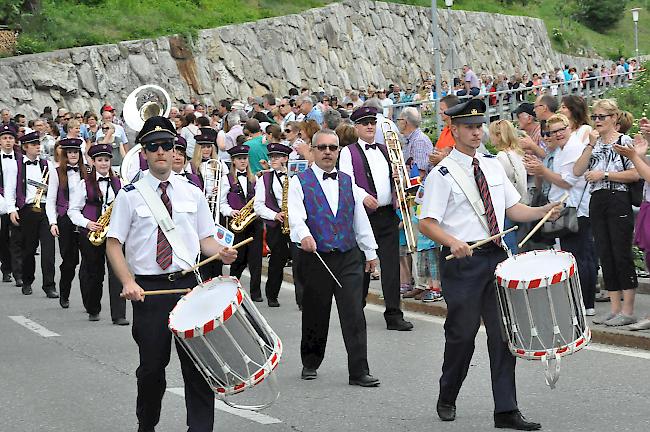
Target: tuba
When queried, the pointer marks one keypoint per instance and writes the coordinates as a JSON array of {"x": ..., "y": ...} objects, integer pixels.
[
  {"x": 245, "y": 217},
  {"x": 97, "y": 238},
  {"x": 212, "y": 174},
  {"x": 144, "y": 102}
]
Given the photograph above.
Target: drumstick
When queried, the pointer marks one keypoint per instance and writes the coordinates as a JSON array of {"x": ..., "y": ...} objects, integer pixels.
[
  {"x": 487, "y": 240},
  {"x": 328, "y": 269},
  {"x": 540, "y": 223},
  {"x": 214, "y": 257}
]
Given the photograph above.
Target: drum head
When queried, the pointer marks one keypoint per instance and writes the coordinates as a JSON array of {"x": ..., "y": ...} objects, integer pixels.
[
  {"x": 205, "y": 304},
  {"x": 534, "y": 269}
]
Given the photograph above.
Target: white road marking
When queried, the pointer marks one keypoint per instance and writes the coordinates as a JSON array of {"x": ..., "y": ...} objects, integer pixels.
[
  {"x": 246, "y": 414},
  {"x": 33, "y": 326},
  {"x": 608, "y": 349}
]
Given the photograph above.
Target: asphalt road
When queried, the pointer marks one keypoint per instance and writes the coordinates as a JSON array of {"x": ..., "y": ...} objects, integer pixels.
[{"x": 83, "y": 379}]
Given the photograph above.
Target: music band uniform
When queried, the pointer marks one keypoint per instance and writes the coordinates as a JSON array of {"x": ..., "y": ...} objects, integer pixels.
[
  {"x": 89, "y": 201},
  {"x": 33, "y": 225},
  {"x": 10, "y": 256},
  {"x": 133, "y": 225},
  {"x": 268, "y": 203},
  {"x": 324, "y": 206},
  {"x": 368, "y": 165},
  {"x": 56, "y": 208},
  {"x": 237, "y": 190}
]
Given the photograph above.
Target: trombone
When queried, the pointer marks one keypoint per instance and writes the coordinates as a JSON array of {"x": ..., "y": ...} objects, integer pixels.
[{"x": 212, "y": 173}]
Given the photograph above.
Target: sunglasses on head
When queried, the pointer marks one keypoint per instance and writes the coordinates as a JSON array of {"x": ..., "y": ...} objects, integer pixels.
[
  {"x": 154, "y": 146},
  {"x": 330, "y": 147},
  {"x": 368, "y": 122}
]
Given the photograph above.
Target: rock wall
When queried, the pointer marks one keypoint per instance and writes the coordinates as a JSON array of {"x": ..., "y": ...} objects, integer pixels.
[{"x": 343, "y": 45}]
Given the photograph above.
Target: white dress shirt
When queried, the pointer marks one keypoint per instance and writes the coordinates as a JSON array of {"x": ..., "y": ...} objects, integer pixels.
[
  {"x": 79, "y": 195},
  {"x": 298, "y": 215},
  {"x": 226, "y": 210},
  {"x": 445, "y": 201},
  {"x": 378, "y": 168},
  {"x": 133, "y": 224},
  {"x": 53, "y": 191},
  {"x": 379, "y": 134},
  {"x": 9, "y": 173},
  {"x": 119, "y": 131},
  {"x": 259, "y": 205},
  {"x": 32, "y": 172}
]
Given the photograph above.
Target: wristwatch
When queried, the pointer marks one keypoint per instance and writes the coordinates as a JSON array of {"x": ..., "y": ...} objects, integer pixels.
[{"x": 606, "y": 176}]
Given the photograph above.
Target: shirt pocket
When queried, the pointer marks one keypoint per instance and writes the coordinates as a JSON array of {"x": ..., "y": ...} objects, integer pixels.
[{"x": 185, "y": 211}]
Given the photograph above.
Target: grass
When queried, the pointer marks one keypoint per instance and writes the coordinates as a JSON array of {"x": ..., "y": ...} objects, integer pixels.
[{"x": 69, "y": 23}]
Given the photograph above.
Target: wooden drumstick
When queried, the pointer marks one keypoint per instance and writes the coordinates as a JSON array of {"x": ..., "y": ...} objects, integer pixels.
[
  {"x": 214, "y": 257},
  {"x": 541, "y": 222},
  {"x": 487, "y": 240}
]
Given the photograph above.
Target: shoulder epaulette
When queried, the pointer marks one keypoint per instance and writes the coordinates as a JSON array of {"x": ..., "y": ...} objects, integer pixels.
[
  {"x": 488, "y": 155},
  {"x": 443, "y": 170},
  {"x": 129, "y": 187}
]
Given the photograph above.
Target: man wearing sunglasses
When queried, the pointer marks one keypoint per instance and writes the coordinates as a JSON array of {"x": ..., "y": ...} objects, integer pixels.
[
  {"x": 327, "y": 218},
  {"x": 152, "y": 256},
  {"x": 368, "y": 164}
]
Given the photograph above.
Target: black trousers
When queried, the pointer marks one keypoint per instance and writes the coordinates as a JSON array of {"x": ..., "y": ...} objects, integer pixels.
[
  {"x": 581, "y": 245},
  {"x": 91, "y": 280},
  {"x": 35, "y": 228},
  {"x": 250, "y": 255},
  {"x": 279, "y": 245},
  {"x": 298, "y": 281},
  {"x": 69, "y": 250},
  {"x": 317, "y": 304},
  {"x": 5, "y": 246},
  {"x": 612, "y": 222},
  {"x": 469, "y": 289},
  {"x": 154, "y": 339},
  {"x": 385, "y": 224}
]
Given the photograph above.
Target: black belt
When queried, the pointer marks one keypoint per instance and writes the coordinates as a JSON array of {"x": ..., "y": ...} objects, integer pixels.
[
  {"x": 486, "y": 248},
  {"x": 168, "y": 277}
]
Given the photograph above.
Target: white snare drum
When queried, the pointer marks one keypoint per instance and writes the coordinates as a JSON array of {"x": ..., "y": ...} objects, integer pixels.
[
  {"x": 226, "y": 337},
  {"x": 541, "y": 306}
]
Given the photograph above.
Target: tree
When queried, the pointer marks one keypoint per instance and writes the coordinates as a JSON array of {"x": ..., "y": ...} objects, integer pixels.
[
  {"x": 11, "y": 10},
  {"x": 600, "y": 15}
]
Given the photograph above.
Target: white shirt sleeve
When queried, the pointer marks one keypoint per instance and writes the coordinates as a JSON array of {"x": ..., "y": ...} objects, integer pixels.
[
  {"x": 123, "y": 136},
  {"x": 52, "y": 192},
  {"x": 225, "y": 208},
  {"x": 436, "y": 196},
  {"x": 345, "y": 163},
  {"x": 10, "y": 175},
  {"x": 362, "y": 229},
  {"x": 121, "y": 214},
  {"x": 260, "y": 201},
  {"x": 297, "y": 212},
  {"x": 77, "y": 203}
]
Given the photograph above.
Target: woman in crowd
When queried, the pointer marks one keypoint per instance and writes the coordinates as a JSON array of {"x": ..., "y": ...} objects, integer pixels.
[
  {"x": 610, "y": 210},
  {"x": 347, "y": 134},
  {"x": 308, "y": 129},
  {"x": 113, "y": 140},
  {"x": 503, "y": 137},
  {"x": 292, "y": 138},
  {"x": 91, "y": 129}
]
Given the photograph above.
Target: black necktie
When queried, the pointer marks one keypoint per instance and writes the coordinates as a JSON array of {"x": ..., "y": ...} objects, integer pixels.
[
  {"x": 241, "y": 174},
  {"x": 73, "y": 168},
  {"x": 331, "y": 175},
  {"x": 4, "y": 156},
  {"x": 371, "y": 146},
  {"x": 31, "y": 162},
  {"x": 101, "y": 179}
]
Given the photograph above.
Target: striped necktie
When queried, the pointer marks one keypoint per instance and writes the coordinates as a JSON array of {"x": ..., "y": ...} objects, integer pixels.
[
  {"x": 163, "y": 248},
  {"x": 487, "y": 200}
]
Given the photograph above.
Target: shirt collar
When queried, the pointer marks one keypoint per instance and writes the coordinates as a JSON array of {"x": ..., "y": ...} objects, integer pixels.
[
  {"x": 98, "y": 175},
  {"x": 318, "y": 171},
  {"x": 26, "y": 159},
  {"x": 363, "y": 143},
  {"x": 463, "y": 159},
  {"x": 155, "y": 183}
]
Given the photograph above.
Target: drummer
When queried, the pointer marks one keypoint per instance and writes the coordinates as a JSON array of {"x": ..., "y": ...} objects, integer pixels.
[
  {"x": 447, "y": 217},
  {"x": 152, "y": 255}
]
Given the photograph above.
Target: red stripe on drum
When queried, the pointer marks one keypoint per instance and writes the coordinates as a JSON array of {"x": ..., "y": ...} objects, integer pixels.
[
  {"x": 572, "y": 270},
  {"x": 535, "y": 283},
  {"x": 580, "y": 341},
  {"x": 259, "y": 374},
  {"x": 561, "y": 350},
  {"x": 188, "y": 334},
  {"x": 208, "y": 327},
  {"x": 227, "y": 313},
  {"x": 240, "y": 297},
  {"x": 221, "y": 390},
  {"x": 520, "y": 351},
  {"x": 557, "y": 277},
  {"x": 240, "y": 386},
  {"x": 274, "y": 359},
  {"x": 513, "y": 284},
  {"x": 499, "y": 280},
  {"x": 539, "y": 353}
]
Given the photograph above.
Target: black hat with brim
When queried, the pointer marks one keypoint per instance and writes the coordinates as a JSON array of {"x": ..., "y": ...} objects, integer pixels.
[
  {"x": 470, "y": 112},
  {"x": 154, "y": 129}
]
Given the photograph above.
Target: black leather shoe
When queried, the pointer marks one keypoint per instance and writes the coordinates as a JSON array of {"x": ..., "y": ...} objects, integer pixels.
[
  {"x": 308, "y": 374},
  {"x": 446, "y": 412},
  {"x": 27, "y": 289},
  {"x": 65, "y": 303},
  {"x": 6, "y": 278},
  {"x": 52, "y": 294},
  {"x": 514, "y": 420},
  {"x": 399, "y": 325},
  {"x": 19, "y": 282},
  {"x": 257, "y": 299},
  {"x": 365, "y": 381},
  {"x": 273, "y": 303},
  {"x": 93, "y": 317},
  {"x": 121, "y": 322}
]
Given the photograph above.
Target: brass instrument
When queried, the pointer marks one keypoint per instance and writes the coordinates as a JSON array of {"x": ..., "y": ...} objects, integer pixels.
[
  {"x": 285, "y": 205},
  {"x": 401, "y": 183},
  {"x": 40, "y": 191},
  {"x": 212, "y": 174},
  {"x": 245, "y": 217},
  {"x": 97, "y": 238},
  {"x": 144, "y": 102}
]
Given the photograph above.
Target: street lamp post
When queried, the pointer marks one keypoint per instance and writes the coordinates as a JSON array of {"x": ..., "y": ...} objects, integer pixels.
[
  {"x": 449, "y": 4},
  {"x": 435, "y": 32},
  {"x": 635, "y": 18}
]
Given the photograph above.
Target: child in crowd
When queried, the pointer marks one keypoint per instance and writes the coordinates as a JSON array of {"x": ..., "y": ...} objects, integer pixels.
[
  {"x": 428, "y": 254},
  {"x": 405, "y": 262}
]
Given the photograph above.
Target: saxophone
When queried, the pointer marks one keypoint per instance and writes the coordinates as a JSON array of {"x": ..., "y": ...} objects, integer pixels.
[
  {"x": 38, "y": 198},
  {"x": 285, "y": 205},
  {"x": 244, "y": 218},
  {"x": 97, "y": 238}
]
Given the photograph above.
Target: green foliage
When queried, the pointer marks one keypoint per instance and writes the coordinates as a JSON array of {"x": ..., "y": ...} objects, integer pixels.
[
  {"x": 10, "y": 11},
  {"x": 600, "y": 15},
  {"x": 635, "y": 97}
]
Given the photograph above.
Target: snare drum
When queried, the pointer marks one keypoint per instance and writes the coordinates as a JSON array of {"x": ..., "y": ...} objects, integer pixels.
[
  {"x": 541, "y": 306},
  {"x": 226, "y": 337}
]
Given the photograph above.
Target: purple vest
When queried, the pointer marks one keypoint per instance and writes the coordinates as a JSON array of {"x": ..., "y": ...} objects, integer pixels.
[
  {"x": 270, "y": 199},
  {"x": 21, "y": 184},
  {"x": 330, "y": 232},
  {"x": 93, "y": 207},
  {"x": 62, "y": 195},
  {"x": 236, "y": 198},
  {"x": 362, "y": 176}
]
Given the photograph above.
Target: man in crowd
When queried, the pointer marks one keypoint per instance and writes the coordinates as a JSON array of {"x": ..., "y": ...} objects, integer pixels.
[
  {"x": 5, "y": 118},
  {"x": 472, "y": 85},
  {"x": 108, "y": 116},
  {"x": 258, "y": 151},
  {"x": 286, "y": 112},
  {"x": 532, "y": 141},
  {"x": 308, "y": 110},
  {"x": 10, "y": 248},
  {"x": 418, "y": 145}
]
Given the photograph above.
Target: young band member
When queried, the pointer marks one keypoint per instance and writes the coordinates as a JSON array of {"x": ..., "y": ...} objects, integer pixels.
[
  {"x": 10, "y": 256},
  {"x": 328, "y": 218},
  {"x": 150, "y": 258},
  {"x": 180, "y": 165},
  {"x": 28, "y": 216},
  {"x": 268, "y": 205},
  {"x": 238, "y": 189},
  {"x": 447, "y": 217},
  {"x": 369, "y": 166},
  {"x": 62, "y": 181},
  {"x": 90, "y": 200}
]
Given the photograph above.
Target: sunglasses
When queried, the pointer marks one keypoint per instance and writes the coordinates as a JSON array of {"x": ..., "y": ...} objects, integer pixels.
[
  {"x": 600, "y": 117},
  {"x": 67, "y": 118},
  {"x": 106, "y": 128},
  {"x": 554, "y": 132},
  {"x": 79, "y": 117},
  {"x": 154, "y": 146},
  {"x": 545, "y": 134},
  {"x": 283, "y": 105},
  {"x": 368, "y": 122},
  {"x": 330, "y": 147},
  {"x": 288, "y": 130}
]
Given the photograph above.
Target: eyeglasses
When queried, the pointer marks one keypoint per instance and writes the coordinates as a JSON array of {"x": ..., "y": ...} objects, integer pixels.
[
  {"x": 154, "y": 146},
  {"x": 368, "y": 122},
  {"x": 545, "y": 134},
  {"x": 283, "y": 105},
  {"x": 325, "y": 100},
  {"x": 106, "y": 128},
  {"x": 67, "y": 118},
  {"x": 600, "y": 117},
  {"x": 288, "y": 130},
  {"x": 79, "y": 117},
  {"x": 556, "y": 131},
  {"x": 330, "y": 147}
]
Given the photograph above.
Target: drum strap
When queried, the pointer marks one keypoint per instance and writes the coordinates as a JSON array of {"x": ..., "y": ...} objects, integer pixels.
[
  {"x": 164, "y": 221},
  {"x": 469, "y": 189}
]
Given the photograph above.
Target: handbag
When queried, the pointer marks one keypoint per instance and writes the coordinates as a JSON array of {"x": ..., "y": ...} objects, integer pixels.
[
  {"x": 634, "y": 189},
  {"x": 566, "y": 224}
]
